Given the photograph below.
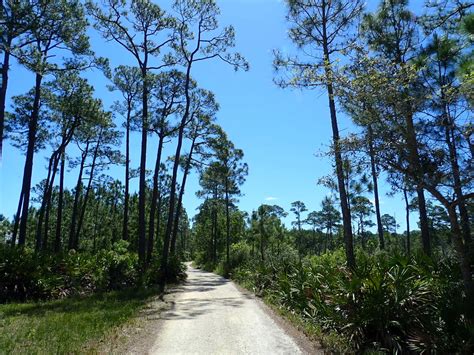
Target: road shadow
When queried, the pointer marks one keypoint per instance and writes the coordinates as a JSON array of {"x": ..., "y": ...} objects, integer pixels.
[{"x": 191, "y": 308}]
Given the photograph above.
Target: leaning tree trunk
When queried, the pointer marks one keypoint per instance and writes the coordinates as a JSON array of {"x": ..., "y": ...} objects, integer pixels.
[
  {"x": 172, "y": 199},
  {"x": 415, "y": 166},
  {"x": 86, "y": 196},
  {"x": 227, "y": 220},
  {"x": 127, "y": 177},
  {"x": 3, "y": 90},
  {"x": 180, "y": 199},
  {"x": 171, "y": 207},
  {"x": 464, "y": 257},
  {"x": 376, "y": 188},
  {"x": 48, "y": 202},
  {"x": 214, "y": 226},
  {"x": 158, "y": 225},
  {"x": 142, "y": 184},
  {"x": 75, "y": 208},
  {"x": 28, "y": 170},
  {"x": 154, "y": 198},
  {"x": 407, "y": 209},
  {"x": 59, "y": 217},
  {"x": 453, "y": 157},
  {"x": 346, "y": 215},
  {"x": 466, "y": 266},
  {"x": 17, "y": 219},
  {"x": 43, "y": 204}
]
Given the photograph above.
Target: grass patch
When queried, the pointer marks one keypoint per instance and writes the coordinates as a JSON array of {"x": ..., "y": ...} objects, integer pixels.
[{"x": 67, "y": 325}]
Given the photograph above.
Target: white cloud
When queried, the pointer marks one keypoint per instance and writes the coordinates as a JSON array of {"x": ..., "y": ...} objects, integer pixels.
[{"x": 271, "y": 198}]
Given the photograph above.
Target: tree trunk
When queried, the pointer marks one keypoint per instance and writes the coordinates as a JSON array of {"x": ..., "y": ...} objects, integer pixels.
[
  {"x": 41, "y": 240},
  {"x": 158, "y": 223},
  {"x": 407, "y": 209},
  {"x": 171, "y": 210},
  {"x": 88, "y": 189},
  {"x": 214, "y": 226},
  {"x": 127, "y": 177},
  {"x": 180, "y": 198},
  {"x": 299, "y": 240},
  {"x": 17, "y": 218},
  {"x": 227, "y": 218},
  {"x": 142, "y": 185},
  {"x": 28, "y": 170},
  {"x": 465, "y": 264},
  {"x": 48, "y": 202},
  {"x": 96, "y": 222},
  {"x": 154, "y": 198},
  {"x": 376, "y": 188},
  {"x": 346, "y": 215},
  {"x": 39, "y": 227},
  {"x": 415, "y": 165},
  {"x": 59, "y": 217},
  {"x": 453, "y": 157},
  {"x": 72, "y": 230},
  {"x": 424, "y": 226},
  {"x": 3, "y": 90}
]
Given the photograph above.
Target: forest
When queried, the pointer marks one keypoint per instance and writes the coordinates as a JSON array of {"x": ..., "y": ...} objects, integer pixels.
[{"x": 349, "y": 273}]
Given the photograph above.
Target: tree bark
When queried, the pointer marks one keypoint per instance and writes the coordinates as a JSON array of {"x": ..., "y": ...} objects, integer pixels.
[
  {"x": 72, "y": 230},
  {"x": 453, "y": 157},
  {"x": 17, "y": 218},
  {"x": 43, "y": 205},
  {"x": 28, "y": 170},
  {"x": 376, "y": 188},
  {"x": 158, "y": 221},
  {"x": 172, "y": 199},
  {"x": 214, "y": 226},
  {"x": 3, "y": 90},
  {"x": 59, "y": 217},
  {"x": 407, "y": 209},
  {"x": 414, "y": 159},
  {"x": 154, "y": 198},
  {"x": 127, "y": 176},
  {"x": 227, "y": 218},
  {"x": 180, "y": 198},
  {"x": 142, "y": 184},
  {"x": 465, "y": 264},
  {"x": 346, "y": 214},
  {"x": 88, "y": 189},
  {"x": 41, "y": 240},
  {"x": 48, "y": 201}
]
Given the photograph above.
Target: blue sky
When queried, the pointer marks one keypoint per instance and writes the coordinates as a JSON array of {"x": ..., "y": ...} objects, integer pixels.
[{"x": 280, "y": 131}]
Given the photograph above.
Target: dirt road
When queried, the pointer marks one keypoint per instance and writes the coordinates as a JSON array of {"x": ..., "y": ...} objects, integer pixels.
[{"x": 211, "y": 316}]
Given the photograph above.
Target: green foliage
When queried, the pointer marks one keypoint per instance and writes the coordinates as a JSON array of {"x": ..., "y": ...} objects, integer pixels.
[
  {"x": 25, "y": 275},
  {"x": 390, "y": 303}
]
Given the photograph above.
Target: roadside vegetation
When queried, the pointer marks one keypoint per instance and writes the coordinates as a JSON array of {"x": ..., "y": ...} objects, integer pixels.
[
  {"x": 72, "y": 325},
  {"x": 346, "y": 273},
  {"x": 84, "y": 249}
]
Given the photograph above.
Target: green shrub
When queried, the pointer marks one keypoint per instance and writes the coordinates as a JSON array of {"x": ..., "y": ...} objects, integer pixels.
[
  {"x": 26, "y": 275},
  {"x": 391, "y": 303}
]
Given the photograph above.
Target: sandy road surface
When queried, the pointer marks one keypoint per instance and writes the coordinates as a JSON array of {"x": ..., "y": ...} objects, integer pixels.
[{"x": 211, "y": 316}]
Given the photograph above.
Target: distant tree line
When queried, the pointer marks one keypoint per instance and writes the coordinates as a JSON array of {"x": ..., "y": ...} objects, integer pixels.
[{"x": 62, "y": 117}]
